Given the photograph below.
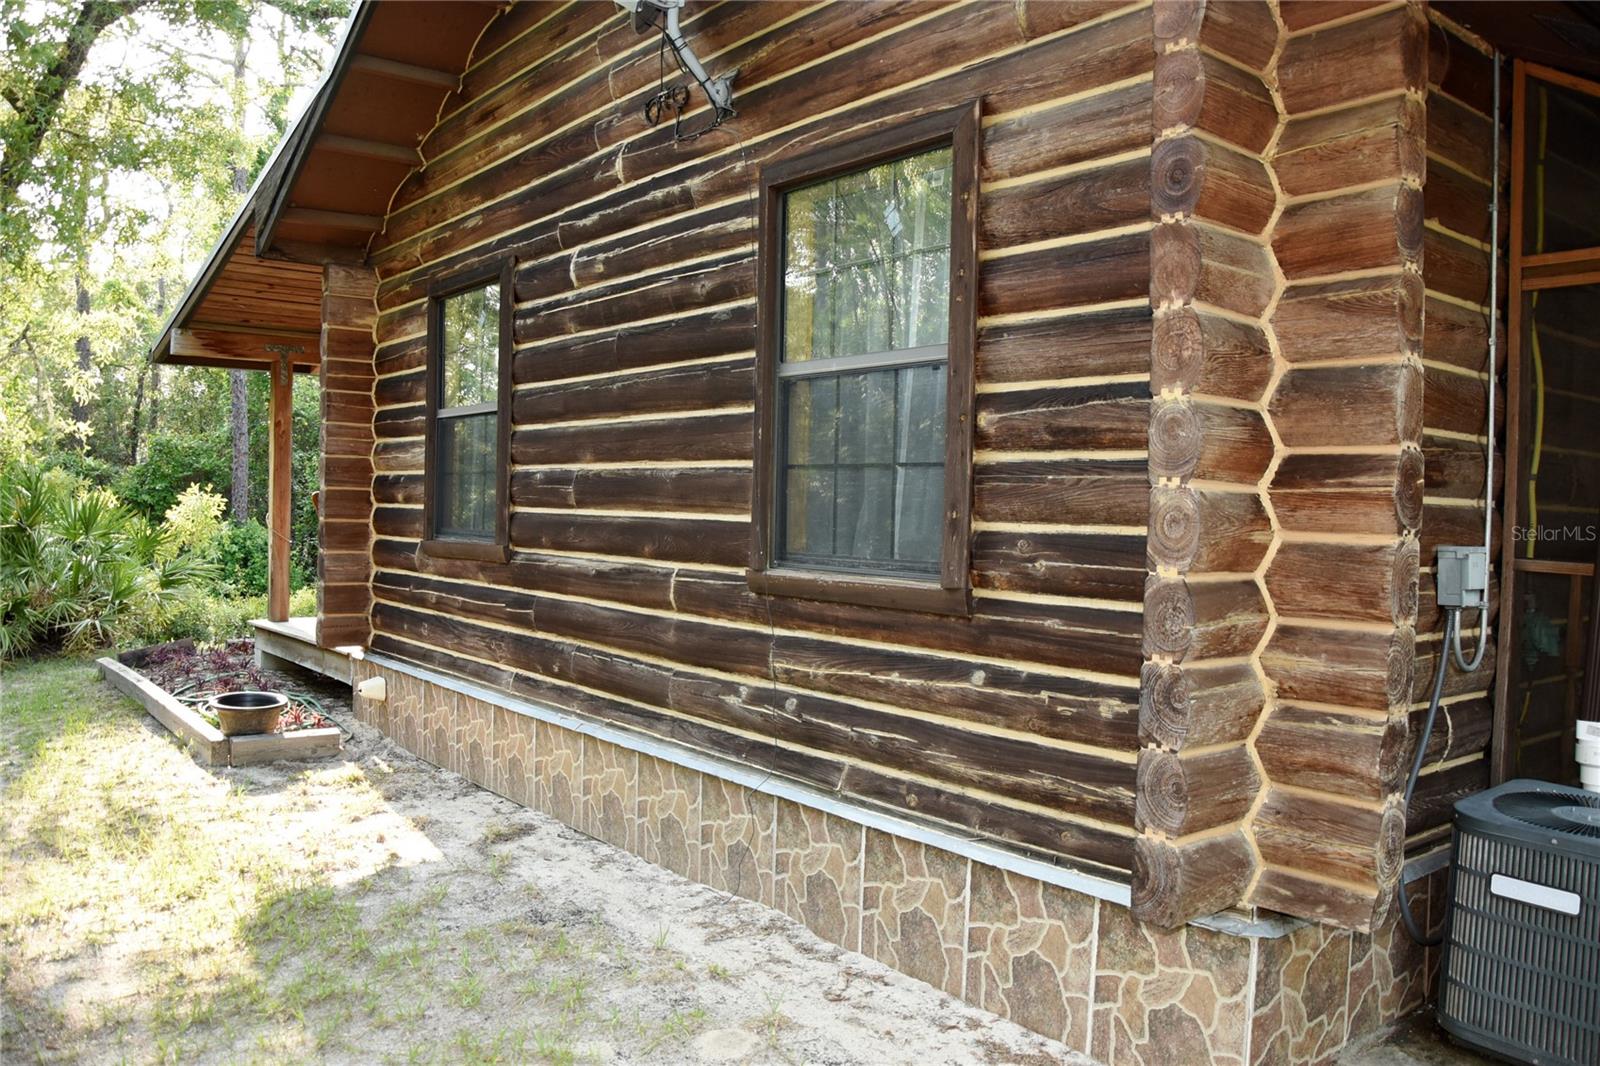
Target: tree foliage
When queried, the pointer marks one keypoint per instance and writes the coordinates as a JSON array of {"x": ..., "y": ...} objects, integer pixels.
[{"x": 129, "y": 130}]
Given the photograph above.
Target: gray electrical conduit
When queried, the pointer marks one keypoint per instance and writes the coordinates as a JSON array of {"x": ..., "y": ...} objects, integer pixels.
[
  {"x": 1494, "y": 297},
  {"x": 1452, "y": 630}
]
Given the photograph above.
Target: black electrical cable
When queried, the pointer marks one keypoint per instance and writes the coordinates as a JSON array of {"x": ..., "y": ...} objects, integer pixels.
[
  {"x": 1452, "y": 619},
  {"x": 675, "y": 98}
]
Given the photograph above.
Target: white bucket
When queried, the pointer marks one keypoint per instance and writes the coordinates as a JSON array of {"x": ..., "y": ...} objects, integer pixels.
[{"x": 1588, "y": 754}]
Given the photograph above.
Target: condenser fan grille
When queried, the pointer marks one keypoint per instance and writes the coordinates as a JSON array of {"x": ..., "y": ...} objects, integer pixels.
[{"x": 1574, "y": 813}]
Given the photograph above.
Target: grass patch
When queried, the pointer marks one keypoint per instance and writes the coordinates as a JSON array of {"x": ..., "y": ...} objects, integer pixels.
[{"x": 155, "y": 910}]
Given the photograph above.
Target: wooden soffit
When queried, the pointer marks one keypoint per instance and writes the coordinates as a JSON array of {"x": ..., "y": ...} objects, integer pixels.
[
  {"x": 324, "y": 193},
  {"x": 358, "y": 139},
  {"x": 244, "y": 312}
]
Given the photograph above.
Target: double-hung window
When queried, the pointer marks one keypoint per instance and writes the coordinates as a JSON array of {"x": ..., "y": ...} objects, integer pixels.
[
  {"x": 865, "y": 369},
  {"x": 468, "y": 404}
]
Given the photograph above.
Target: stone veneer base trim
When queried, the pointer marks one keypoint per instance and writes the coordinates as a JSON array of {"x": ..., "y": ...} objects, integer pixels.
[
  {"x": 1070, "y": 965},
  {"x": 764, "y": 783}
]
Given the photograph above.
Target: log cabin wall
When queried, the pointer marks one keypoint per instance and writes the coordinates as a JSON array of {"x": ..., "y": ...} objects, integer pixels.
[
  {"x": 1212, "y": 283},
  {"x": 1345, "y": 488},
  {"x": 344, "y": 500},
  {"x": 625, "y": 597},
  {"x": 1456, "y": 247},
  {"x": 1286, "y": 278}
]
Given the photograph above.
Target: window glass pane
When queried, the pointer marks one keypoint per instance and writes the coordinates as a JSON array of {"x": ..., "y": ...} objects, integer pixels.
[
  {"x": 471, "y": 348},
  {"x": 1558, "y": 475},
  {"x": 808, "y": 526},
  {"x": 808, "y": 284},
  {"x": 867, "y": 260},
  {"x": 919, "y": 503},
  {"x": 923, "y": 184},
  {"x": 808, "y": 227},
  {"x": 923, "y": 309},
  {"x": 922, "y": 414},
  {"x": 811, "y": 425},
  {"x": 1561, "y": 211},
  {"x": 466, "y": 454},
  {"x": 863, "y": 308},
  {"x": 867, "y": 417},
  {"x": 808, "y": 317},
  {"x": 868, "y": 216},
  {"x": 865, "y": 512}
]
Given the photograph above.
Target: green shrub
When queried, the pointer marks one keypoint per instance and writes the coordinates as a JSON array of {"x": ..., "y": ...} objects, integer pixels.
[
  {"x": 209, "y": 618},
  {"x": 172, "y": 464},
  {"x": 195, "y": 520},
  {"x": 77, "y": 568},
  {"x": 241, "y": 555},
  {"x": 84, "y": 468}
]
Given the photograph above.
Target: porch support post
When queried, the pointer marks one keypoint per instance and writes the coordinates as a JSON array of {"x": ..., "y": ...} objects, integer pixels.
[
  {"x": 344, "y": 521},
  {"x": 278, "y": 489}
]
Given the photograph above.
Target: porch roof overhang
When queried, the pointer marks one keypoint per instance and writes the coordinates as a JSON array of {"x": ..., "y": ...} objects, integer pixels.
[
  {"x": 323, "y": 195},
  {"x": 1557, "y": 33}
]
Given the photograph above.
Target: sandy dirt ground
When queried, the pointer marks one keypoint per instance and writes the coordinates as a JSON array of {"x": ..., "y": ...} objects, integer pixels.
[
  {"x": 374, "y": 908},
  {"x": 1417, "y": 1041}
]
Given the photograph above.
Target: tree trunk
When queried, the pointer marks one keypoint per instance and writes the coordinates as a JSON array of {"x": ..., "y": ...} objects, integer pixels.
[
  {"x": 155, "y": 368},
  {"x": 239, "y": 411},
  {"x": 80, "y": 406},
  {"x": 137, "y": 416},
  {"x": 239, "y": 426},
  {"x": 44, "y": 401}
]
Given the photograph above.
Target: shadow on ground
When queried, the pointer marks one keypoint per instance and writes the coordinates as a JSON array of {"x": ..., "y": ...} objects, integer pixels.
[{"x": 374, "y": 908}]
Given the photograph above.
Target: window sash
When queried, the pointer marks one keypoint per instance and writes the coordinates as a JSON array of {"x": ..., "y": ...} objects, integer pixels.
[
  {"x": 894, "y": 466},
  {"x": 468, "y": 411},
  {"x": 894, "y": 359},
  {"x": 452, "y": 478},
  {"x": 771, "y": 572},
  {"x": 479, "y": 433}
]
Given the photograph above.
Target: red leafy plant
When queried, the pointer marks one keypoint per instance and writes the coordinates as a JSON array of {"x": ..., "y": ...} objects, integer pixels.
[{"x": 194, "y": 675}]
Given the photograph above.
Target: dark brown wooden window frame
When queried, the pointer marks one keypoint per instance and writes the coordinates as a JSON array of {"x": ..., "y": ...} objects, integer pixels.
[
  {"x": 499, "y": 548},
  {"x": 960, "y": 129}
]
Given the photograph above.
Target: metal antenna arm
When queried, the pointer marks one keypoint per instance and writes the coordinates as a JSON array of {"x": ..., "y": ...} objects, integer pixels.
[{"x": 718, "y": 90}]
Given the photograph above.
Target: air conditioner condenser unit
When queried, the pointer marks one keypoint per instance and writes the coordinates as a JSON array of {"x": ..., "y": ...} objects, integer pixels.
[{"x": 1520, "y": 975}]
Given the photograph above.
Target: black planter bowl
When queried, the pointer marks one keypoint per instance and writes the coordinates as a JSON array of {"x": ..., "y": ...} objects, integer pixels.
[{"x": 243, "y": 713}]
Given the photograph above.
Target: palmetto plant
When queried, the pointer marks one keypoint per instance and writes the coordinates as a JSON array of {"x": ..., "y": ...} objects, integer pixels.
[{"x": 77, "y": 568}]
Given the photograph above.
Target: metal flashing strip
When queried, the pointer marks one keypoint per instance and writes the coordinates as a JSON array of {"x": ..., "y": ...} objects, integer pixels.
[
  {"x": 766, "y": 783},
  {"x": 1423, "y": 865},
  {"x": 1273, "y": 927}
]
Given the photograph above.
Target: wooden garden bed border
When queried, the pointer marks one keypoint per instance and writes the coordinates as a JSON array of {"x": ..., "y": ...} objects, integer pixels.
[{"x": 204, "y": 740}]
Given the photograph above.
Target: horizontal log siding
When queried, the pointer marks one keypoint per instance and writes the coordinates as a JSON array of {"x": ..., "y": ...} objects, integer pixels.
[
  {"x": 625, "y": 596},
  {"x": 1455, "y": 354}
]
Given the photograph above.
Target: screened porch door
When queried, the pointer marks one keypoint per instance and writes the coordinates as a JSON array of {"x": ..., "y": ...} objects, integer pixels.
[{"x": 1546, "y": 670}]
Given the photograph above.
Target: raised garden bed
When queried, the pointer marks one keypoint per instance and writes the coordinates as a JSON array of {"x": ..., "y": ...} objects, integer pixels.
[{"x": 173, "y": 682}]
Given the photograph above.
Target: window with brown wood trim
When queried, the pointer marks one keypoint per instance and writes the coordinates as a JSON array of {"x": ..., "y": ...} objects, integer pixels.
[
  {"x": 865, "y": 334},
  {"x": 466, "y": 477}
]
